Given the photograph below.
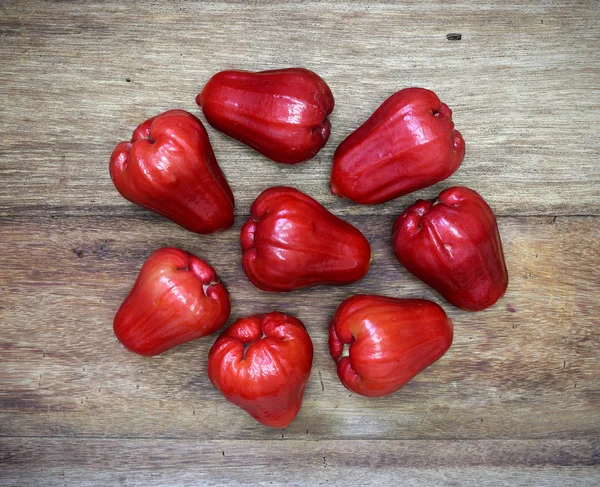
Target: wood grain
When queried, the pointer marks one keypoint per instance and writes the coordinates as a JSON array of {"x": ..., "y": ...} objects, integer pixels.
[
  {"x": 65, "y": 375},
  {"x": 522, "y": 82},
  {"x": 516, "y": 401},
  {"x": 58, "y": 462}
]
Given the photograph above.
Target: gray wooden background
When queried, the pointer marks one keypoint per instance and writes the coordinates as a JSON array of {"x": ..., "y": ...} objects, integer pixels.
[{"x": 516, "y": 400}]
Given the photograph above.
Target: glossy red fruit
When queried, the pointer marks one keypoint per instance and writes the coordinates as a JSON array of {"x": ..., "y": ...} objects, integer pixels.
[
  {"x": 409, "y": 143},
  {"x": 290, "y": 242},
  {"x": 280, "y": 113},
  {"x": 169, "y": 167},
  {"x": 176, "y": 298},
  {"x": 453, "y": 245},
  {"x": 381, "y": 343},
  {"x": 262, "y": 363}
]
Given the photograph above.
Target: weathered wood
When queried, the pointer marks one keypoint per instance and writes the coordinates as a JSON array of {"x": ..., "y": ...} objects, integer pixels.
[
  {"x": 78, "y": 78},
  {"x": 516, "y": 401},
  {"x": 58, "y": 462},
  {"x": 526, "y": 368}
]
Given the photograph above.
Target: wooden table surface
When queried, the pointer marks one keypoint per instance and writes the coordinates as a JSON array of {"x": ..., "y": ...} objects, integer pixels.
[{"x": 516, "y": 400}]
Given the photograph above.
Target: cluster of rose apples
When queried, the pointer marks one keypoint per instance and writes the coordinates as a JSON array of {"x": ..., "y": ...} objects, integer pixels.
[{"x": 262, "y": 362}]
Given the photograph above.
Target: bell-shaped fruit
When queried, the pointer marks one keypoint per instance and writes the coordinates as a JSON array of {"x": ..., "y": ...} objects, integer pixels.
[
  {"x": 262, "y": 363},
  {"x": 281, "y": 113},
  {"x": 169, "y": 167},
  {"x": 409, "y": 143},
  {"x": 453, "y": 245},
  {"x": 290, "y": 241},
  {"x": 381, "y": 343},
  {"x": 176, "y": 298}
]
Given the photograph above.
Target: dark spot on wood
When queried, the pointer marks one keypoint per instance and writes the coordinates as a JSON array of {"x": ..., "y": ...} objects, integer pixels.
[
  {"x": 128, "y": 80},
  {"x": 454, "y": 37},
  {"x": 22, "y": 404},
  {"x": 542, "y": 21},
  {"x": 223, "y": 452},
  {"x": 321, "y": 380},
  {"x": 510, "y": 308},
  {"x": 564, "y": 363},
  {"x": 78, "y": 252},
  {"x": 554, "y": 219}
]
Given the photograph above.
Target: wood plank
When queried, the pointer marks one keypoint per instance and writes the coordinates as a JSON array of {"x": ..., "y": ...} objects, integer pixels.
[
  {"x": 525, "y": 369},
  {"x": 522, "y": 82},
  {"x": 516, "y": 401},
  {"x": 84, "y": 462}
]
